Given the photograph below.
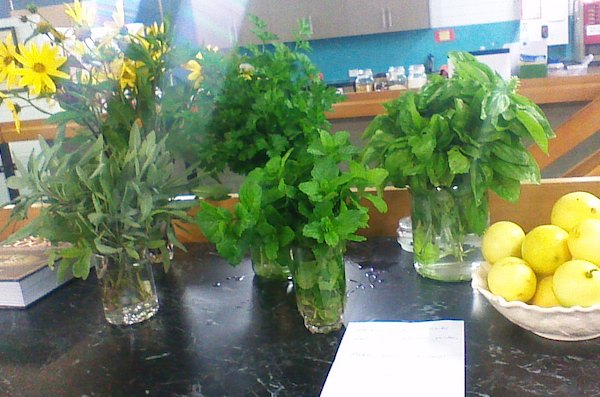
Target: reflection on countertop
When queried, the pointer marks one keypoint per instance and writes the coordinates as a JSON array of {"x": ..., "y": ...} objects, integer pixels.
[{"x": 220, "y": 332}]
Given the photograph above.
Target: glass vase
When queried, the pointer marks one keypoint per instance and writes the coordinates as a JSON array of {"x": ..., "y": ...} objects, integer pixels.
[
  {"x": 127, "y": 289},
  {"x": 155, "y": 256},
  {"x": 447, "y": 225},
  {"x": 320, "y": 285},
  {"x": 269, "y": 270}
]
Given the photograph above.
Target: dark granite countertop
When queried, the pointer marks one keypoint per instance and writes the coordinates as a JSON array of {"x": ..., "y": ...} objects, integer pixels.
[{"x": 220, "y": 333}]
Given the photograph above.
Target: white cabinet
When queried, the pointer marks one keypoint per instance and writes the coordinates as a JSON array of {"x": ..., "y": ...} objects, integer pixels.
[
  {"x": 337, "y": 18},
  {"x": 380, "y": 16}
]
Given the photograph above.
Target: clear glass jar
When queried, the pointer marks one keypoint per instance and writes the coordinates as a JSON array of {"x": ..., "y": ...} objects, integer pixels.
[
  {"x": 127, "y": 288},
  {"x": 364, "y": 81},
  {"x": 404, "y": 234},
  {"x": 269, "y": 270},
  {"x": 416, "y": 76},
  {"x": 401, "y": 76},
  {"x": 396, "y": 78},
  {"x": 381, "y": 83},
  {"x": 320, "y": 285},
  {"x": 447, "y": 224}
]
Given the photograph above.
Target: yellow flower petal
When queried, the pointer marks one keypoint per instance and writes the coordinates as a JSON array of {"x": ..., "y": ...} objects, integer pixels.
[{"x": 39, "y": 66}]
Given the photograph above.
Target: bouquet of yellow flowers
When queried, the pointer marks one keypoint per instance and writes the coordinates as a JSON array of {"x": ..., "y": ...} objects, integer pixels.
[
  {"x": 131, "y": 72},
  {"x": 124, "y": 94}
]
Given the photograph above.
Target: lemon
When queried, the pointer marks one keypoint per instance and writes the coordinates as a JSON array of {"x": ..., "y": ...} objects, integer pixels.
[
  {"x": 545, "y": 248},
  {"x": 584, "y": 241},
  {"x": 512, "y": 279},
  {"x": 500, "y": 240},
  {"x": 577, "y": 283},
  {"x": 572, "y": 208},
  {"x": 544, "y": 294}
]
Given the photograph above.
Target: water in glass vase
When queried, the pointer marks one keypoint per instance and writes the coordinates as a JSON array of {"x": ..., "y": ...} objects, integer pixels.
[
  {"x": 447, "y": 225},
  {"x": 320, "y": 285},
  {"x": 127, "y": 288},
  {"x": 270, "y": 270}
]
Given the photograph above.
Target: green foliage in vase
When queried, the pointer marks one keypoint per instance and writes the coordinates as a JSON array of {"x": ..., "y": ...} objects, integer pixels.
[
  {"x": 272, "y": 99},
  {"x": 312, "y": 200},
  {"x": 474, "y": 124},
  {"x": 470, "y": 130},
  {"x": 101, "y": 200},
  {"x": 126, "y": 97}
]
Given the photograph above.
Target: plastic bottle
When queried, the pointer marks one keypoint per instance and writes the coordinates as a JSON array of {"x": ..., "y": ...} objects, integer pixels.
[{"x": 416, "y": 76}]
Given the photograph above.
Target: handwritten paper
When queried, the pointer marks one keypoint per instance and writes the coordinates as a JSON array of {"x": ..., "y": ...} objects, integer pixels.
[{"x": 399, "y": 359}]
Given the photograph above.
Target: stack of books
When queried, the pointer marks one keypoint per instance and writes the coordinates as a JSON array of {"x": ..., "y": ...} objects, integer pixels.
[{"x": 25, "y": 275}]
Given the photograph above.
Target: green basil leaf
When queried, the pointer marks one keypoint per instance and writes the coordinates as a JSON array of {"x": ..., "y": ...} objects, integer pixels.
[
  {"x": 459, "y": 164},
  {"x": 507, "y": 188},
  {"x": 535, "y": 129},
  {"x": 515, "y": 154}
]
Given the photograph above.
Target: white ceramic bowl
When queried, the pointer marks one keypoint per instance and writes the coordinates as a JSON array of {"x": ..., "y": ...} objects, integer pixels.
[{"x": 558, "y": 323}]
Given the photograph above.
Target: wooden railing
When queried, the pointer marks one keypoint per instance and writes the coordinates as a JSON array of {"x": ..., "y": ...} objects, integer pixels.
[
  {"x": 532, "y": 209},
  {"x": 582, "y": 125}
]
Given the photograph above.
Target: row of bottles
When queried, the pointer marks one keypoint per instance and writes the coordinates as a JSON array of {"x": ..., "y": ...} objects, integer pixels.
[{"x": 394, "y": 79}]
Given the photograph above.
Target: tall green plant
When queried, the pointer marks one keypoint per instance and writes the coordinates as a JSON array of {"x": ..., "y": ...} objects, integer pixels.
[
  {"x": 101, "y": 200},
  {"x": 312, "y": 200},
  {"x": 473, "y": 124},
  {"x": 469, "y": 131},
  {"x": 272, "y": 99}
]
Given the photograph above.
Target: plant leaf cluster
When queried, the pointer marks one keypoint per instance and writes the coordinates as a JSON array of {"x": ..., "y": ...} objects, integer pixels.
[
  {"x": 272, "y": 99},
  {"x": 312, "y": 198},
  {"x": 472, "y": 125},
  {"x": 101, "y": 200}
]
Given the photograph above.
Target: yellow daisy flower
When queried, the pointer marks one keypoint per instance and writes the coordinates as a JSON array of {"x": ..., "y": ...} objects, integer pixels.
[
  {"x": 126, "y": 70},
  {"x": 157, "y": 47},
  {"x": 8, "y": 67},
  {"x": 155, "y": 29},
  {"x": 80, "y": 14},
  {"x": 14, "y": 109},
  {"x": 39, "y": 67},
  {"x": 195, "y": 70}
]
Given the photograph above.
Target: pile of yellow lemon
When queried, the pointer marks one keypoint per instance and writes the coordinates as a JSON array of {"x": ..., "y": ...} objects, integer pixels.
[{"x": 556, "y": 264}]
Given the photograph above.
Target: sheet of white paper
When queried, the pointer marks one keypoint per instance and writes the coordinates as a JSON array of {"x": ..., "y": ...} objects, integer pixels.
[{"x": 399, "y": 359}]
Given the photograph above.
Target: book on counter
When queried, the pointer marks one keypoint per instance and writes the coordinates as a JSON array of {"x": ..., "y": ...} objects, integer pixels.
[{"x": 25, "y": 276}]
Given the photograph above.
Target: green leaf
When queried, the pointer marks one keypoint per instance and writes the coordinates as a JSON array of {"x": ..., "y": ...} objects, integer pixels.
[
  {"x": 535, "y": 129},
  {"x": 422, "y": 146},
  {"x": 378, "y": 202},
  {"x": 212, "y": 221},
  {"x": 507, "y": 188},
  {"x": 314, "y": 230},
  {"x": 348, "y": 222},
  {"x": 104, "y": 249},
  {"x": 81, "y": 266},
  {"x": 515, "y": 154},
  {"x": 426, "y": 251},
  {"x": 18, "y": 182},
  {"x": 311, "y": 189},
  {"x": 96, "y": 218},
  {"x": 459, "y": 164}
]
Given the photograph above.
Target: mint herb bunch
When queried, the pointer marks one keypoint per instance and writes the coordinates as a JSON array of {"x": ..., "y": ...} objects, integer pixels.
[{"x": 312, "y": 200}]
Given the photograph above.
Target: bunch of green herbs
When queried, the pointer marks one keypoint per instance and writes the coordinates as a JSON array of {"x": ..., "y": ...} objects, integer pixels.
[
  {"x": 101, "y": 200},
  {"x": 272, "y": 99},
  {"x": 312, "y": 200},
  {"x": 471, "y": 129}
]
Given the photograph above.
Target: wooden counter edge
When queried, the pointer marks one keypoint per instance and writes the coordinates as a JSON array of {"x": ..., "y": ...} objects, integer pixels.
[
  {"x": 531, "y": 210},
  {"x": 546, "y": 90}
]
